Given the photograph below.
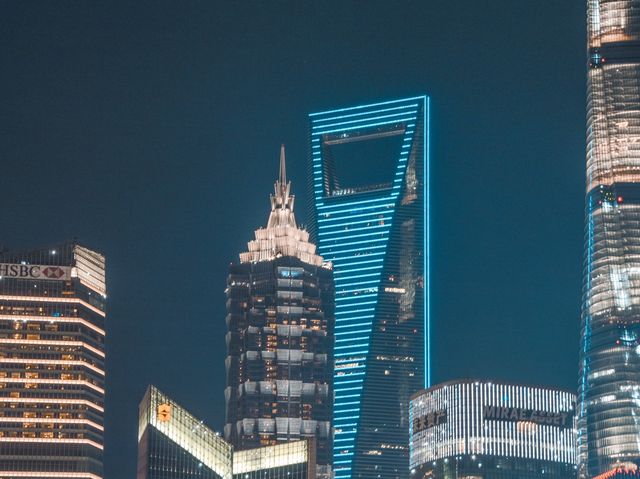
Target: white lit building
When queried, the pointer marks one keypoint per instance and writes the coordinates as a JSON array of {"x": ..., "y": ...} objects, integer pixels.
[{"x": 477, "y": 429}]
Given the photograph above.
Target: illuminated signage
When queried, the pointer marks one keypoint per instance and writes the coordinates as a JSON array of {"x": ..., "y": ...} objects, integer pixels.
[
  {"x": 35, "y": 271},
  {"x": 516, "y": 414},
  {"x": 429, "y": 420},
  {"x": 164, "y": 412}
]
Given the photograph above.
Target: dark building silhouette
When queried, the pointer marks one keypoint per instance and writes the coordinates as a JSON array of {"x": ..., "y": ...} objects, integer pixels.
[{"x": 280, "y": 305}]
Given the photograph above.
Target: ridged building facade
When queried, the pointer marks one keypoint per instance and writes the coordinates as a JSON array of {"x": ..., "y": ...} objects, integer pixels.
[
  {"x": 493, "y": 430},
  {"x": 609, "y": 390},
  {"x": 369, "y": 212},
  {"x": 280, "y": 303},
  {"x": 52, "y": 363}
]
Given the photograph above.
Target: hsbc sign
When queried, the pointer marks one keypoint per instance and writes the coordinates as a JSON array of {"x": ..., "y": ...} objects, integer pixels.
[{"x": 35, "y": 271}]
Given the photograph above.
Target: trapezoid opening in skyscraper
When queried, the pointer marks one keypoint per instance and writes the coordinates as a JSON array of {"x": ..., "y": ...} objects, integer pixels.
[{"x": 369, "y": 216}]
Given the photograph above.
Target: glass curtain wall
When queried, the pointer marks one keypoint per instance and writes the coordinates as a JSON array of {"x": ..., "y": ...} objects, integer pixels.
[
  {"x": 369, "y": 217},
  {"x": 609, "y": 391}
]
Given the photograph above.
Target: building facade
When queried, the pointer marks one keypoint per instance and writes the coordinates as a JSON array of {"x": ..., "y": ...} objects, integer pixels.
[
  {"x": 609, "y": 388},
  {"x": 369, "y": 214},
  {"x": 484, "y": 430},
  {"x": 173, "y": 444},
  {"x": 279, "y": 365},
  {"x": 52, "y": 355}
]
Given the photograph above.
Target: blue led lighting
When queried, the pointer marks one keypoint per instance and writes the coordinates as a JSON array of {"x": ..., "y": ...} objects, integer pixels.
[
  {"x": 373, "y": 216},
  {"x": 391, "y": 119},
  {"x": 361, "y": 202},
  {"x": 403, "y": 107},
  {"x": 359, "y": 255},
  {"x": 388, "y": 102},
  {"x": 359, "y": 127}
]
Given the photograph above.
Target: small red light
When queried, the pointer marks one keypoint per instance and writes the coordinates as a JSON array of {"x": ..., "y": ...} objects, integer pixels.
[{"x": 620, "y": 199}]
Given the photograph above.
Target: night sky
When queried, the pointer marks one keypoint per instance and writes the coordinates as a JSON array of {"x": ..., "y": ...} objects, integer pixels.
[{"x": 151, "y": 130}]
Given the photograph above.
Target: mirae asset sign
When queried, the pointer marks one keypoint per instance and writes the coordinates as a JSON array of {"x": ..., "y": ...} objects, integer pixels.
[
  {"x": 34, "y": 271},
  {"x": 516, "y": 414}
]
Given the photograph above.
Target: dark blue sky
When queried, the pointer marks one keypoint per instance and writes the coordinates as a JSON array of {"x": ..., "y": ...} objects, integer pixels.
[{"x": 150, "y": 130}]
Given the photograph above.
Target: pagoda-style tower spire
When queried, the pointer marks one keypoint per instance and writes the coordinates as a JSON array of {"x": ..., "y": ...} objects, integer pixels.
[{"x": 282, "y": 237}]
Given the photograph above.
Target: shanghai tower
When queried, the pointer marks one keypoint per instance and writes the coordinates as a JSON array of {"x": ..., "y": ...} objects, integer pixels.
[{"x": 609, "y": 413}]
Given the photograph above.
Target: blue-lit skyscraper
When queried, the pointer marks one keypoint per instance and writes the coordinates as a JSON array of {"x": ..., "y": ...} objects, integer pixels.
[{"x": 369, "y": 191}]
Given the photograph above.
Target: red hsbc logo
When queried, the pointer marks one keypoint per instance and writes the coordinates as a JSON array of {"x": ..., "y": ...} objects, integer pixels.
[
  {"x": 53, "y": 272},
  {"x": 34, "y": 271}
]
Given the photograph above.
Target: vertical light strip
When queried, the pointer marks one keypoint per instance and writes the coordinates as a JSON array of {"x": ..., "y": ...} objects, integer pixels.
[{"x": 426, "y": 127}]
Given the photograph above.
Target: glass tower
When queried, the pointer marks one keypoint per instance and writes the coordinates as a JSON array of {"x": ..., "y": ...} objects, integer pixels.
[
  {"x": 369, "y": 213},
  {"x": 173, "y": 444},
  {"x": 280, "y": 337},
  {"x": 609, "y": 390},
  {"x": 52, "y": 363}
]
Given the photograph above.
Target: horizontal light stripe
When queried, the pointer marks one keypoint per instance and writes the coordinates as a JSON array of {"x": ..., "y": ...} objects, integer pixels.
[
  {"x": 54, "y": 440},
  {"x": 82, "y": 402},
  {"x": 60, "y": 362},
  {"x": 45, "y": 342},
  {"x": 365, "y": 113},
  {"x": 44, "y": 420},
  {"x": 52, "y": 381},
  {"x": 361, "y": 107},
  {"x": 363, "y": 124},
  {"x": 63, "y": 475},
  {"x": 54, "y": 319},
  {"x": 45, "y": 299}
]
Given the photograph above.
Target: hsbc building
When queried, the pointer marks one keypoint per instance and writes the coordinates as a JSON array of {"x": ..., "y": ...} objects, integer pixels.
[{"x": 52, "y": 363}]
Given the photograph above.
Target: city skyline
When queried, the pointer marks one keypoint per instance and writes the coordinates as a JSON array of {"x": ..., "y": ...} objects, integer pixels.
[{"x": 160, "y": 131}]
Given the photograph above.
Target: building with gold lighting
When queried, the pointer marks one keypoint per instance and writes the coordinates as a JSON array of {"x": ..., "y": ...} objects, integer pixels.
[
  {"x": 52, "y": 363},
  {"x": 173, "y": 444}
]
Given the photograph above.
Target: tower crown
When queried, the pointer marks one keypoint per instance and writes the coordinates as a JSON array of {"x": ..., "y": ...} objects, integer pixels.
[{"x": 282, "y": 237}]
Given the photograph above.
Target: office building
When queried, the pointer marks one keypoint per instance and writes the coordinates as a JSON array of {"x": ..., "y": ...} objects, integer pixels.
[
  {"x": 173, "y": 444},
  {"x": 369, "y": 215},
  {"x": 280, "y": 337},
  {"x": 487, "y": 430},
  {"x": 609, "y": 389},
  {"x": 52, "y": 355}
]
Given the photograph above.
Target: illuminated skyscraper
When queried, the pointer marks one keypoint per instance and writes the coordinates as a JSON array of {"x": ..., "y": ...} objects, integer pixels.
[
  {"x": 609, "y": 413},
  {"x": 173, "y": 444},
  {"x": 487, "y": 430},
  {"x": 369, "y": 212},
  {"x": 52, "y": 373},
  {"x": 280, "y": 337}
]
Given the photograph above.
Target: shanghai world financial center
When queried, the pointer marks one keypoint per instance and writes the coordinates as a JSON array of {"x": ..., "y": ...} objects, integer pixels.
[{"x": 373, "y": 226}]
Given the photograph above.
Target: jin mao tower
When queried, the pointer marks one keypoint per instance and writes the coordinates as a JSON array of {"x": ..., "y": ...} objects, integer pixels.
[{"x": 280, "y": 304}]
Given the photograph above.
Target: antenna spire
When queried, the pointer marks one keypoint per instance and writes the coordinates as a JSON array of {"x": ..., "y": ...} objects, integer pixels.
[{"x": 283, "y": 167}]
